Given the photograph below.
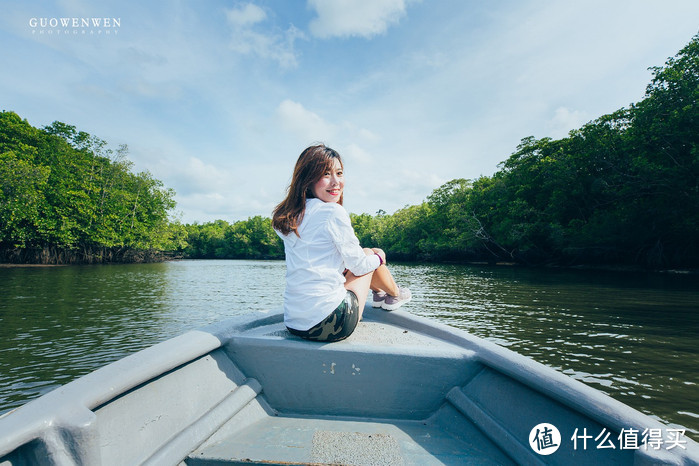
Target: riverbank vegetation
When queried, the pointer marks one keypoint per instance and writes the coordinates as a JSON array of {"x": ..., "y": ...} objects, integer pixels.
[
  {"x": 253, "y": 238},
  {"x": 621, "y": 190},
  {"x": 65, "y": 197}
]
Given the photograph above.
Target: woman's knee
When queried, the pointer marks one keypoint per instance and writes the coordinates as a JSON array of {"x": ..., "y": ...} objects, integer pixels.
[{"x": 380, "y": 252}]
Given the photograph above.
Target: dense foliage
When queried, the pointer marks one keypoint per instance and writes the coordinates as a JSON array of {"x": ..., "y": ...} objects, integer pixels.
[
  {"x": 65, "y": 197},
  {"x": 253, "y": 238},
  {"x": 623, "y": 189}
]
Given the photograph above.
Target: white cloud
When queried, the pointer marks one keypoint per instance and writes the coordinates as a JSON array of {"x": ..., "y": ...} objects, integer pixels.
[
  {"x": 240, "y": 201},
  {"x": 207, "y": 178},
  {"x": 308, "y": 126},
  {"x": 564, "y": 120},
  {"x": 187, "y": 174},
  {"x": 367, "y": 135},
  {"x": 169, "y": 91},
  {"x": 355, "y": 153},
  {"x": 380, "y": 188},
  {"x": 246, "y": 15},
  {"x": 203, "y": 208},
  {"x": 363, "y": 18},
  {"x": 215, "y": 190},
  {"x": 271, "y": 44}
]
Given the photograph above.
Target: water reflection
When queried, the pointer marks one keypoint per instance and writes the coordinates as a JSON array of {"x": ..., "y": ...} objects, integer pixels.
[
  {"x": 633, "y": 336},
  {"x": 204, "y": 292},
  {"x": 57, "y": 323},
  {"x": 60, "y": 322}
]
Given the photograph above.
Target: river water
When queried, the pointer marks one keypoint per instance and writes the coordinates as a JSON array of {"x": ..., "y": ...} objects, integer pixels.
[{"x": 633, "y": 336}]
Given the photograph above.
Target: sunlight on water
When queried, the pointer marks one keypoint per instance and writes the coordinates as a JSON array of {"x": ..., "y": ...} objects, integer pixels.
[{"x": 632, "y": 336}]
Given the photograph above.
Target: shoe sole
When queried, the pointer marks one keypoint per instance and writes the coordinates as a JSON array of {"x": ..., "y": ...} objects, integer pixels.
[
  {"x": 378, "y": 304},
  {"x": 393, "y": 307}
]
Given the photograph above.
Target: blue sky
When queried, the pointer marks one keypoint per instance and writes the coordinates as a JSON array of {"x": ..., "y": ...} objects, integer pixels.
[{"x": 218, "y": 98}]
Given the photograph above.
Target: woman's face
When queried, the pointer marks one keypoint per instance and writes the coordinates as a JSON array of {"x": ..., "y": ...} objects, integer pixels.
[{"x": 329, "y": 187}]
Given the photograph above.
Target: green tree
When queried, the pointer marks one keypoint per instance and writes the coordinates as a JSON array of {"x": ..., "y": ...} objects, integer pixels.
[
  {"x": 22, "y": 188},
  {"x": 66, "y": 197}
]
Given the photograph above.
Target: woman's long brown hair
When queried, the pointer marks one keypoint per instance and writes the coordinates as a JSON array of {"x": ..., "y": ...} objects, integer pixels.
[{"x": 312, "y": 164}]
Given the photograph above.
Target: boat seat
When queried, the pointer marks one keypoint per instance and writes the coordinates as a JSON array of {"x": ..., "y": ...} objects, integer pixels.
[
  {"x": 378, "y": 397},
  {"x": 368, "y": 374}
]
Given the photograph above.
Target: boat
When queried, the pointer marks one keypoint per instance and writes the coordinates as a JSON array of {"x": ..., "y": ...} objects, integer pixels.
[{"x": 402, "y": 389}]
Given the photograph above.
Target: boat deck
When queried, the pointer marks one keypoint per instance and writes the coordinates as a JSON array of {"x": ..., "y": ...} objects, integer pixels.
[
  {"x": 299, "y": 440},
  {"x": 364, "y": 410}
]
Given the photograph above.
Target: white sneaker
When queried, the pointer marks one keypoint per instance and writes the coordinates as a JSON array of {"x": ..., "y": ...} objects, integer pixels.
[
  {"x": 391, "y": 303},
  {"x": 377, "y": 298}
]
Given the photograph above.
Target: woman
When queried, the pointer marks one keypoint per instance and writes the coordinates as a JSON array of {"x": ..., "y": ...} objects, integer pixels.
[{"x": 328, "y": 275}]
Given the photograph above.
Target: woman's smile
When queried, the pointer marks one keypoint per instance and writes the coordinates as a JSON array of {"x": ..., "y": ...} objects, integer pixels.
[{"x": 329, "y": 187}]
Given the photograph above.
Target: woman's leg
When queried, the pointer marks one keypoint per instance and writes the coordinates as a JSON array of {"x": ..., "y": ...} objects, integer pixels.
[
  {"x": 378, "y": 280},
  {"x": 382, "y": 280},
  {"x": 360, "y": 286}
]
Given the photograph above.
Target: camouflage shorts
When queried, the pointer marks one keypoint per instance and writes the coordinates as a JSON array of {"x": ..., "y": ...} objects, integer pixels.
[{"x": 338, "y": 325}]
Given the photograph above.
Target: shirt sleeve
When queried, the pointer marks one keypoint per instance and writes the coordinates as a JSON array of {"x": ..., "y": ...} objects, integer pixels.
[{"x": 342, "y": 234}]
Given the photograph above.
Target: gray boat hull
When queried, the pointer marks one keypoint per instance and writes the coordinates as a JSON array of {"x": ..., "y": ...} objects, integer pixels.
[{"x": 401, "y": 390}]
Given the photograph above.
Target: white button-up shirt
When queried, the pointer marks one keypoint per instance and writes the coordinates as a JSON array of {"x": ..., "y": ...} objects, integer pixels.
[{"x": 315, "y": 260}]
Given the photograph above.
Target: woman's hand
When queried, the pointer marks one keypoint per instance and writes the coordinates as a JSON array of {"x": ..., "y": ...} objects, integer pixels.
[{"x": 380, "y": 253}]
